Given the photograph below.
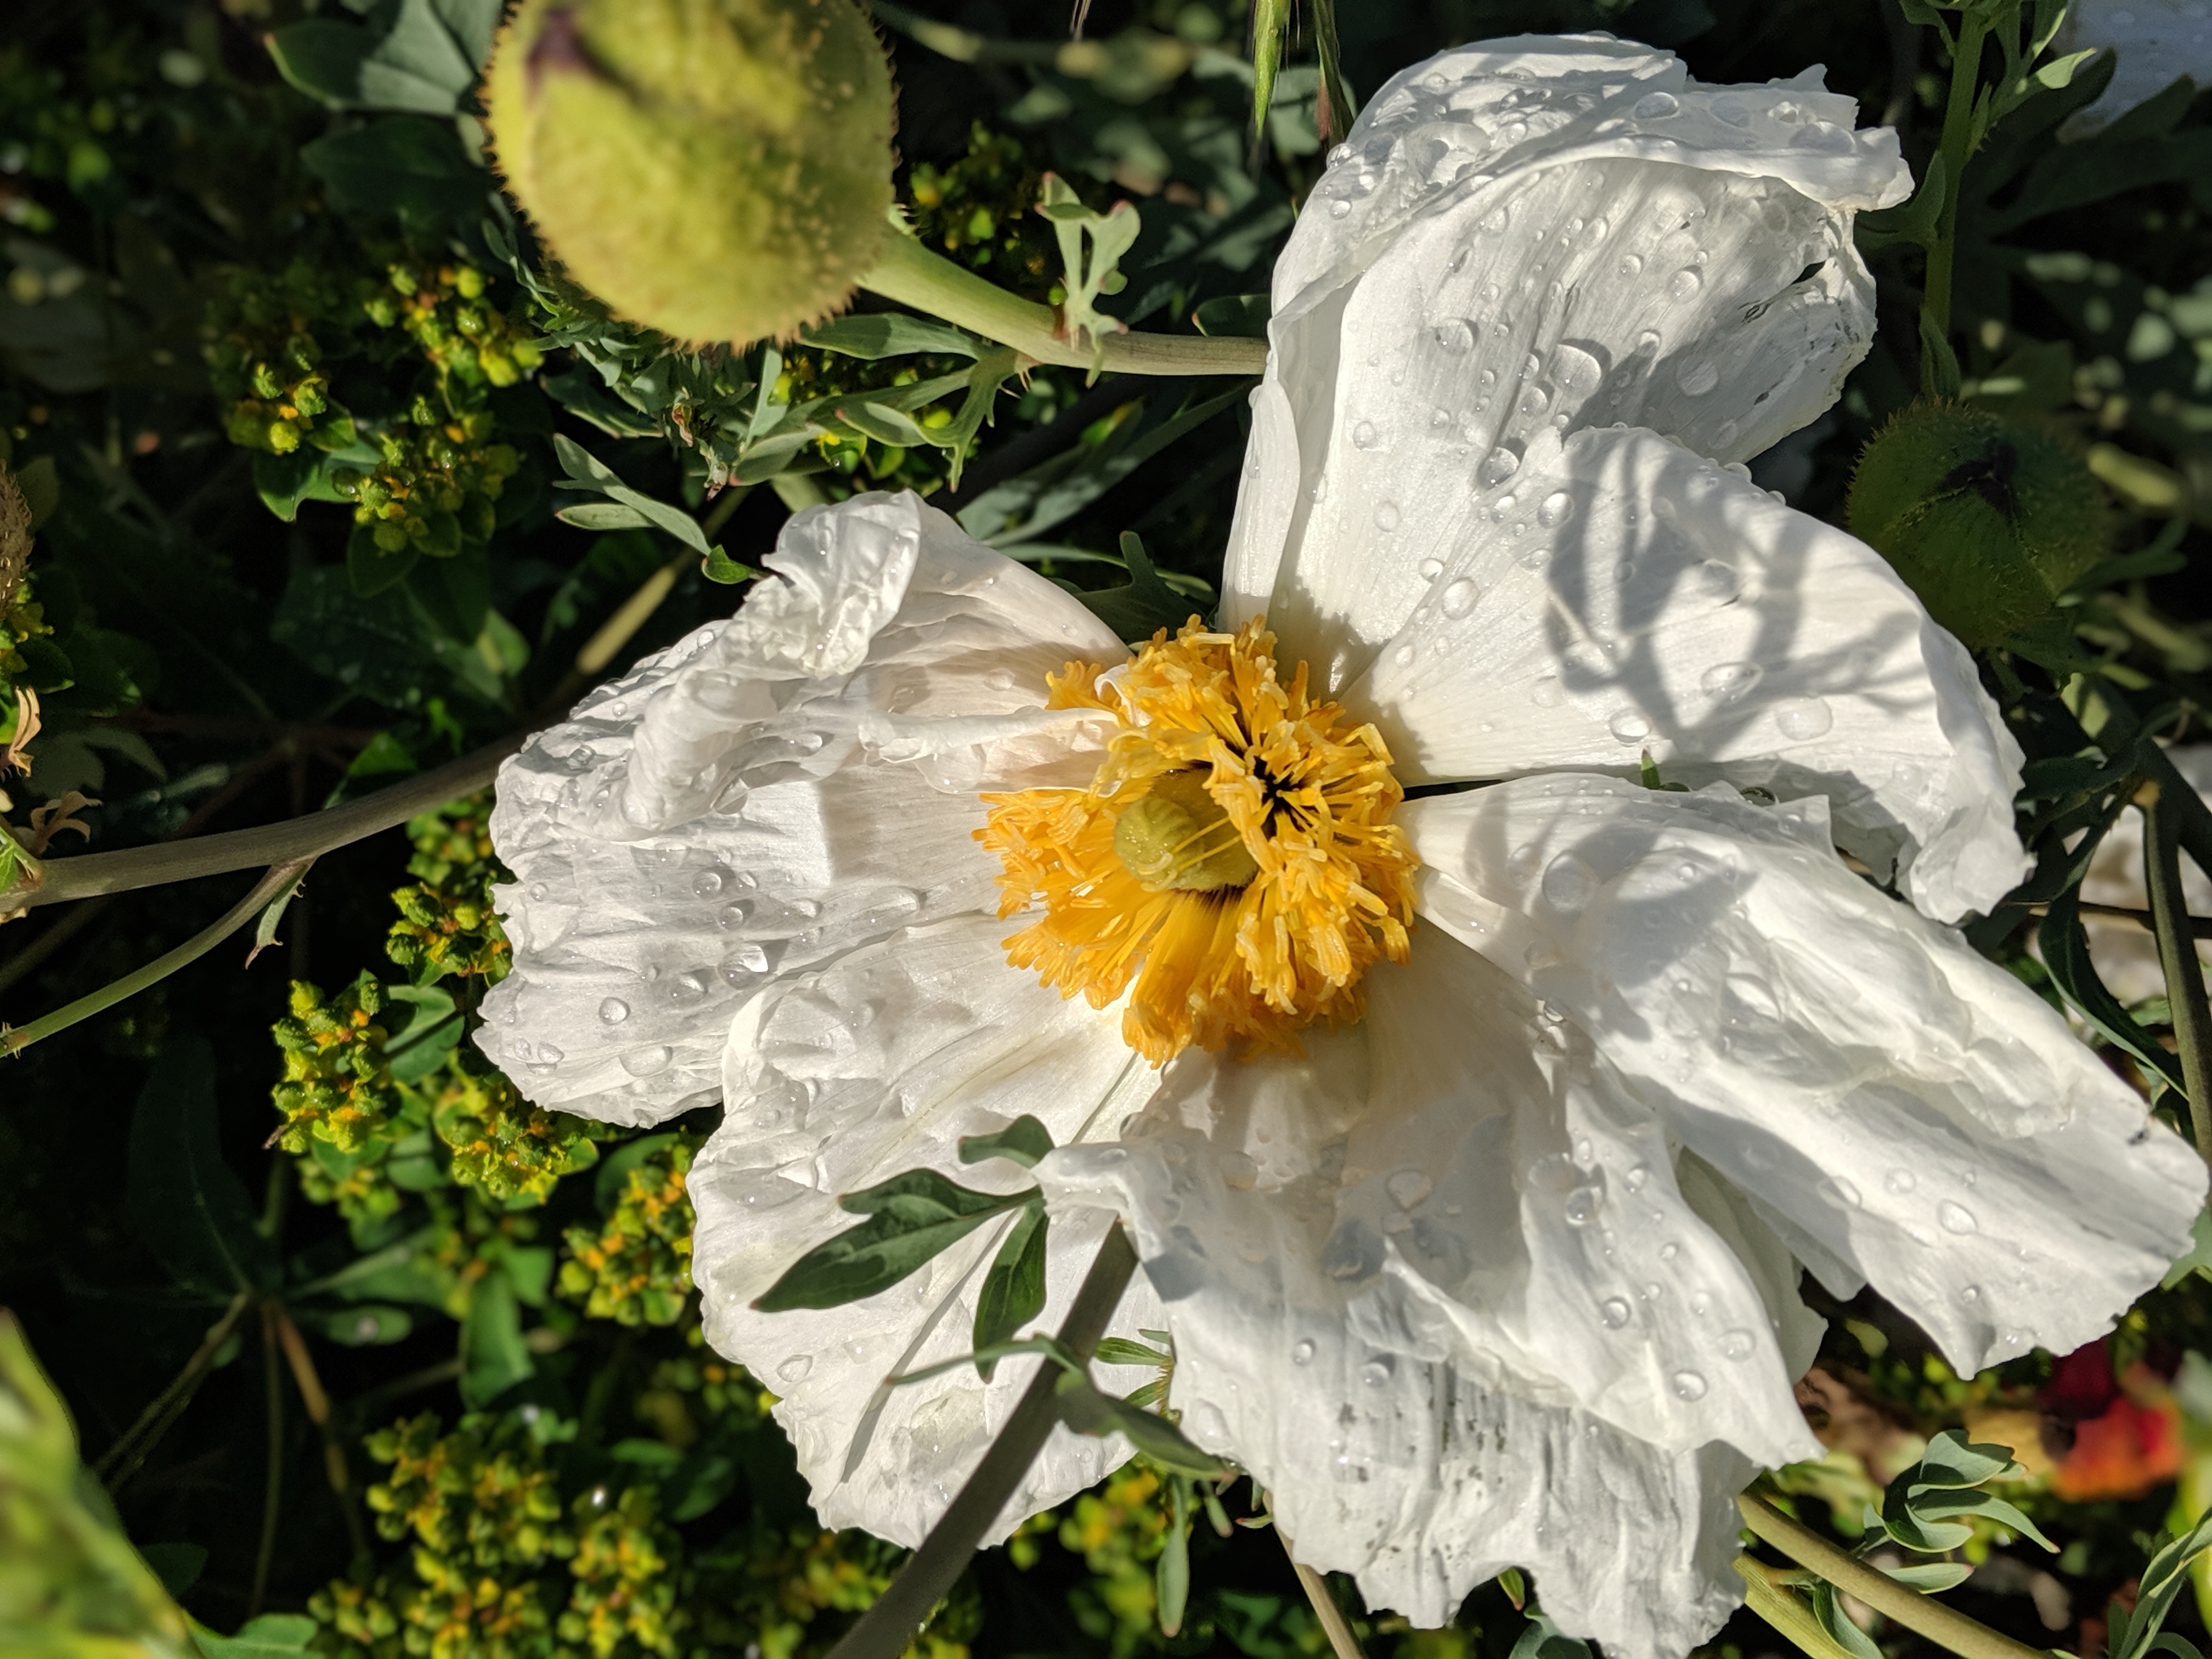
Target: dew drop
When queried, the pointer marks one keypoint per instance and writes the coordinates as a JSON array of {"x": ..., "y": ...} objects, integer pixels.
[
  {"x": 1955, "y": 1217},
  {"x": 1496, "y": 220},
  {"x": 1582, "y": 1205},
  {"x": 1456, "y": 335},
  {"x": 708, "y": 884},
  {"x": 550, "y": 1055},
  {"x": 1407, "y": 1188},
  {"x": 734, "y": 915},
  {"x": 1822, "y": 138},
  {"x": 1501, "y": 465},
  {"x": 1615, "y": 1311},
  {"x": 1387, "y": 516},
  {"x": 1301, "y": 1352},
  {"x": 1629, "y": 726},
  {"x": 646, "y": 1062},
  {"x": 1557, "y": 508},
  {"x": 1534, "y": 402},
  {"x": 1900, "y": 1180},
  {"x": 1683, "y": 283},
  {"x": 1846, "y": 1191},
  {"x": 794, "y": 1369},
  {"x": 1738, "y": 1345},
  {"x": 1631, "y": 264},
  {"x": 1375, "y": 1373},
  {"x": 1971, "y": 1293},
  {"x": 1365, "y": 436},
  {"x": 1459, "y": 597},
  {"x": 1568, "y": 882},
  {"x": 1699, "y": 377},
  {"x": 1638, "y": 1177},
  {"x": 1689, "y": 1385},
  {"x": 1731, "y": 110},
  {"x": 748, "y": 958},
  {"x": 614, "y": 1010},
  {"x": 537, "y": 890},
  {"x": 1000, "y": 679},
  {"x": 1729, "y": 682},
  {"x": 1431, "y": 569},
  {"x": 809, "y": 908},
  {"x": 1339, "y": 207},
  {"x": 1803, "y": 718},
  {"x": 1656, "y": 106}
]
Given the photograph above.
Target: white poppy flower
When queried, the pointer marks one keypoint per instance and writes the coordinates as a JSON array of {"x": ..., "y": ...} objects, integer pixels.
[
  {"x": 1472, "y": 1146},
  {"x": 2155, "y": 40}
]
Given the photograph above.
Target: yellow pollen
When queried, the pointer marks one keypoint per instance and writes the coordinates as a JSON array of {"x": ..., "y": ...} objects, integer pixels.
[{"x": 1232, "y": 866}]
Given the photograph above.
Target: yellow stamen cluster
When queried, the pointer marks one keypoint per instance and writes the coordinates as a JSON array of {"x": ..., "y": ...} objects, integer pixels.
[{"x": 1232, "y": 866}]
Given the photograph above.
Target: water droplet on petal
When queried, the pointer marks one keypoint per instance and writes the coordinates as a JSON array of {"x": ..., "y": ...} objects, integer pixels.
[
  {"x": 1387, "y": 516},
  {"x": 1683, "y": 283},
  {"x": 1656, "y": 106},
  {"x": 1403, "y": 656},
  {"x": 1636, "y": 1179},
  {"x": 1955, "y": 1217},
  {"x": 1459, "y": 597},
  {"x": 646, "y": 1062},
  {"x": 1697, "y": 377},
  {"x": 1846, "y": 1191},
  {"x": 537, "y": 890},
  {"x": 1501, "y": 465},
  {"x": 1615, "y": 1311},
  {"x": 1729, "y": 682},
  {"x": 1631, "y": 264},
  {"x": 794, "y": 1369},
  {"x": 1569, "y": 882},
  {"x": 1364, "y": 435},
  {"x": 1456, "y": 335},
  {"x": 1689, "y": 1385},
  {"x": 1900, "y": 1180},
  {"x": 1732, "y": 110},
  {"x": 1534, "y": 401},
  {"x": 1823, "y": 138},
  {"x": 708, "y": 884},
  {"x": 1431, "y": 568},
  {"x": 1803, "y": 718},
  {"x": 1301, "y": 1352},
  {"x": 614, "y": 1010},
  {"x": 1738, "y": 1345},
  {"x": 1339, "y": 207},
  {"x": 1556, "y": 509},
  {"x": 1375, "y": 1372},
  {"x": 1583, "y": 1205},
  {"x": 1629, "y": 726}
]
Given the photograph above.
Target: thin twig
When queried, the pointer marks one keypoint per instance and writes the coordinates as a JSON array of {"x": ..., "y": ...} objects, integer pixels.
[
  {"x": 1945, "y": 1626},
  {"x": 276, "y": 881},
  {"x": 121, "y": 1461},
  {"x": 2201, "y": 927},
  {"x": 272, "y": 1485},
  {"x": 2176, "y": 955},
  {"x": 317, "y": 1400},
  {"x": 1333, "y": 1621},
  {"x": 888, "y": 1628}
]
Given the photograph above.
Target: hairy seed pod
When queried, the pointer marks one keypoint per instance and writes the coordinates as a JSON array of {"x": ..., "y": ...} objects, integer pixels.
[
  {"x": 1987, "y": 520},
  {"x": 720, "y": 170}
]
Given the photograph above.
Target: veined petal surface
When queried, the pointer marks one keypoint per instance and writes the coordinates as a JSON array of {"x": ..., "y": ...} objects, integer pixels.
[
  {"x": 1545, "y": 232},
  {"x": 1622, "y": 595},
  {"x": 768, "y": 793},
  {"x": 1899, "y": 1107}
]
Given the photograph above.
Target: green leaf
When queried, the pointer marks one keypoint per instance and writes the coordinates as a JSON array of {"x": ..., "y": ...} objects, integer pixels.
[
  {"x": 1542, "y": 1640},
  {"x": 269, "y": 1637},
  {"x": 1241, "y": 315},
  {"x": 2064, "y": 946},
  {"x": 494, "y": 1357},
  {"x": 1171, "y": 1573},
  {"x": 177, "y": 1565},
  {"x": 1085, "y": 1409},
  {"x": 1014, "y": 1290},
  {"x": 1931, "y": 1577},
  {"x": 372, "y": 1325},
  {"x": 602, "y": 515},
  {"x": 283, "y": 481},
  {"x": 183, "y": 1199},
  {"x": 2197, "y": 1258},
  {"x": 1090, "y": 272},
  {"x": 1146, "y": 605},
  {"x": 417, "y": 66},
  {"x": 1271, "y": 27},
  {"x": 370, "y": 570},
  {"x": 720, "y": 567},
  {"x": 882, "y": 422},
  {"x": 1829, "y": 1615},
  {"x": 912, "y": 1217},
  {"x": 1024, "y": 1141},
  {"x": 891, "y": 334},
  {"x": 2135, "y": 1634},
  {"x": 1917, "y": 220},
  {"x": 408, "y": 165},
  {"x": 1119, "y": 1350},
  {"x": 586, "y": 471},
  {"x": 1953, "y": 1460}
]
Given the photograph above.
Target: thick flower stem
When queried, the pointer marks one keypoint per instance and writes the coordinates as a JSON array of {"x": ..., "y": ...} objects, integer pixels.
[
  {"x": 909, "y": 273},
  {"x": 304, "y": 837},
  {"x": 1945, "y": 1626},
  {"x": 2177, "y": 954},
  {"x": 1338, "y": 1628},
  {"x": 886, "y": 1630},
  {"x": 1957, "y": 144},
  {"x": 278, "y": 881},
  {"x": 1785, "y": 1611}
]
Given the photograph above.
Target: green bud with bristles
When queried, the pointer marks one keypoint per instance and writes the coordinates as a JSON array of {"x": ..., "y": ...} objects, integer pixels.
[
  {"x": 1987, "y": 520},
  {"x": 720, "y": 170}
]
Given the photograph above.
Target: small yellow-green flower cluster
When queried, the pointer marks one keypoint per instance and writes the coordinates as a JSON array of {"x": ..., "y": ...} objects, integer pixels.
[
  {"x": 338, "y": 1081},
  {"x": 436, "y": 483},
  {"x": 625, "y": 1590},
  {"x": 264, "y": 359},
  {"x": 977, "y": 210},
  {"x": 1119, "y": 1530},
  {"x": 446, "y": 922},
  {"x": 500, "y": 1141},
  {"x": 466, "y": 338},
  {"x": 481, "y": 1494},
  {"x": 637, "y": 1269}
]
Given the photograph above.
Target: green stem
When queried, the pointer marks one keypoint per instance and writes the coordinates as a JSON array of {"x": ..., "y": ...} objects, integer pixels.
[
  {"x": 1957, "y": 144},
  {"x": 272, "y": 1486},
  {"x": 1945, "y": 1626},
  {"x": 2177, "y": 954},
  {"x": 306, "y": 838},
  {"x": 909, "y": 273},
  {"x": 1785, "y": 1610},
  {"x": 122, "y": 1459},
  {"x": 283, "y": 875},
  {"x": 1334, "y": 1624},
  {"x": 886, "y": 1630}
]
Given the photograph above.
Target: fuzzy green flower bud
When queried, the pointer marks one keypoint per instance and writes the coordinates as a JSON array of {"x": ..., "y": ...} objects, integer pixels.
[
  {"x": 1989, "y": 521},
  {"x": 720, "y": 170}
]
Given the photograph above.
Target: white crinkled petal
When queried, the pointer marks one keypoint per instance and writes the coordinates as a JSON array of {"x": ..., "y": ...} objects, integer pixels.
[
  {"x": 836, "y": 1080},
  {"x": 1390, "y": 1446},
  {"x": 768, "y": 793},
  {"x": 1896, "y": 1105},
  {"x": 1622, "y": 595},
  {"x": 1541, "y": 234},
  {"x": 2126, "y": 955},
  {"x": 2156, "y": 39}
]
